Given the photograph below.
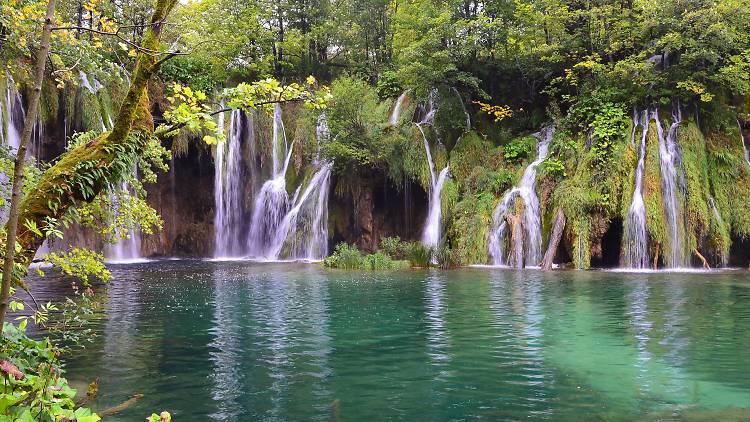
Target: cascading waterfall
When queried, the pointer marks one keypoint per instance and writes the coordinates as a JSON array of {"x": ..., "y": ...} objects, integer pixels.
[
  {"x": 744, "y": 145},
  {"x": 229, "y": 189},
  {"x": 272, "y": 202},
  {"x": 676, "y": 256},
  {"x": 635, "y": 253},
  {"x": 304, "y": 229},
  {"x": 397, "y": 108},
  {"x": 532, "y": 219}
]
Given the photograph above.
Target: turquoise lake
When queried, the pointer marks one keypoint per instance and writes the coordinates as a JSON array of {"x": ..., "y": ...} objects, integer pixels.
[{"x": 240, "y": 341}]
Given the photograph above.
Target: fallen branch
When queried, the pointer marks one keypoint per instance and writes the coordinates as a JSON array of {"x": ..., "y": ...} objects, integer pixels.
[
  {"x": 702, "y": 258},
  {"x": 122, "y": 406}
]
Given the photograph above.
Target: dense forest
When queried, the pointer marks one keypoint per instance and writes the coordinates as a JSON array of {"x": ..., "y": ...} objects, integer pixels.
[{"x": 581, "y": 134}]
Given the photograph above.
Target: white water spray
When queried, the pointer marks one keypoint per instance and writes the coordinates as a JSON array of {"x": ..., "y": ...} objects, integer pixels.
[{"x": 532, "y": 219}]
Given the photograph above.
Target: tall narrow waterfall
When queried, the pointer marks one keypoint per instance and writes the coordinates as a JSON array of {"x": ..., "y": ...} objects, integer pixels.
[
  {"x": 635, "y": 252},
  {"x": 397, "y": 109},
  {"x": 669, "y": 157},
  {"x": 128, "y": 246},
  {"x": 720, "y": 224},
  {"x": 532, "y": 219},
  {"x": 744, "y": 145},
  {"x": 14, "y": 113},
  {"x": 304, "y": 229},
  {"x": 431, "y": 234},
  {"x": 272, "y": 202},
  {"x": 229, "y": 190}
]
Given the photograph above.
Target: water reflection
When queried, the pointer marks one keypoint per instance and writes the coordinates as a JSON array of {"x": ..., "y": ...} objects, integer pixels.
[
  {"x": 438, "y": 343},
  {"x": 226, "y": 349}
]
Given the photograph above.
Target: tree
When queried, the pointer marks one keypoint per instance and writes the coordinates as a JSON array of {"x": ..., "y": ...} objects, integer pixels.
[{"x": 18, "y": 171}]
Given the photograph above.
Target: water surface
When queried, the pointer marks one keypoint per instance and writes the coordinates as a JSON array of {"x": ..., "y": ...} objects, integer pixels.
[{"x": 236, "y": 341}]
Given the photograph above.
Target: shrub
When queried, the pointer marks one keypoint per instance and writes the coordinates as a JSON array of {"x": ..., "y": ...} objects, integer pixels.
[
  {"x": 378, "y": 261},
  {"x": 417, "y": 254},
  {"x": 348, "y": 257},
  {"x": 33, "y": 386},
  {"x": 392, "y": 246},
  {"x": 447, "y": 258},
  {"x": 345, "y": 257},
  {"x": 520, "y": 148}
]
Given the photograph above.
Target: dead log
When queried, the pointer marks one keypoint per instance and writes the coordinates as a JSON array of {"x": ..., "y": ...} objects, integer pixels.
[{"x": 554, "y": 241}]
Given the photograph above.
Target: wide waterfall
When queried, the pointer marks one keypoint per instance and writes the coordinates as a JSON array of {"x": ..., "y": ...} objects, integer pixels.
[
  {"x": 635, "y": 249},
  {"x": 229, "y": 189},
  {"x": 744, "y": 145},
  {"x": 672, "y": 192},
  {"x": 532, "y": 219}
]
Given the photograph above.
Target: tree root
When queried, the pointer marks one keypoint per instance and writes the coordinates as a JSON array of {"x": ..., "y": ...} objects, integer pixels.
[{"x": 702, "y": 258}]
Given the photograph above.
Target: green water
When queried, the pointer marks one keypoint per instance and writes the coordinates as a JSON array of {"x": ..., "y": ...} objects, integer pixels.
[{"x": 242, "y": 341}]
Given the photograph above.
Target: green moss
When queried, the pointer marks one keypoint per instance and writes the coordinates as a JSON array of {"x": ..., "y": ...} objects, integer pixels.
[
  {"x": 656, "y": 224},
  {"x": 582, "y": 244},
  {"x": 469, "y": 227}
]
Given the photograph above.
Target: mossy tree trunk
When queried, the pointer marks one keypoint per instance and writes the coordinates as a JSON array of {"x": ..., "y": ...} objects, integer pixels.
[{"x": 84, "y": 172}]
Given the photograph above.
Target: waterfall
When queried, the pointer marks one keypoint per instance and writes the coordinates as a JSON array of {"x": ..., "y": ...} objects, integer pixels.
[
  {"x": 14, "y": 115},
  {"x": 744, "y": 145},
  {"x": 532, "y": 219},
  {"x": 431, "y": 233},
  {"x": 322, "y": 134},
  {"x": 128, "y": 247},
  {"x": 463, "y": 107},
  {"x": 720, "y": 225},
  {"x": 229, "y": 189},
  {"x": 272, "y": 202},
  {"x": 397, "y": 109},
  {"x": 669, "y": 162},
  {"x": 635, "y": 254},
  {"x": 305, "y": 227}
]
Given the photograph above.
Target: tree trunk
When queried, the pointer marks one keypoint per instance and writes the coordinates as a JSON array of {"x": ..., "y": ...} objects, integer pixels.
[
  {"x": 554, "y": 240},
  {"x": 28, "y": 125},
  {"x": 84, "y": 172}
]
